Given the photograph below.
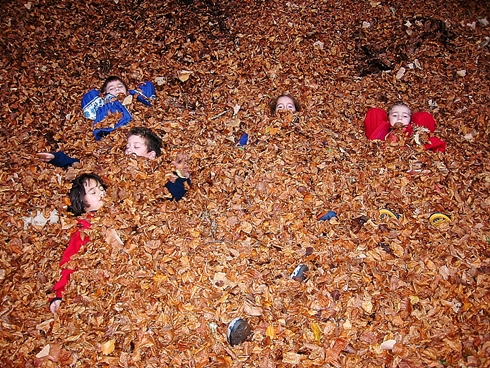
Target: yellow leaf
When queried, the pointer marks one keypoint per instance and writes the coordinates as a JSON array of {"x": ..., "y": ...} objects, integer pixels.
[
  {"x": 414, "y": 299},
  {"x": 271, "y": 332},
  {"x": 246, "y": 227},
  {"x": 195, "y": 233},
  {"x": 272, "y": 131},
  {"x": 316, "y": 331},
  {"x": 128, "y": 100},
  {"x": 347, "y": 325},
  {"x": 108, "y": 347},
  {"x": 367, "y": 305},
  {"x": 159, "y": 278},
  {"x": 184, "y": 75}
]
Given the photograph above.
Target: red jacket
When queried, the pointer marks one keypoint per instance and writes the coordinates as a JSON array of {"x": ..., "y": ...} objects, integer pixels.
[
  {"x": 377, "y": 126},
  {"x": 76, "y": 242}
]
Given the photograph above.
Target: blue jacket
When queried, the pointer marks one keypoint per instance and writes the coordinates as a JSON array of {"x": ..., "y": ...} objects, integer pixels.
[{"x": 96, "y": 107}]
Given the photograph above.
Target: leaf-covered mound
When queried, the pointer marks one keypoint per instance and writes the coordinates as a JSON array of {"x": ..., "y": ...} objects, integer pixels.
[{"x": 379, "y": 292}]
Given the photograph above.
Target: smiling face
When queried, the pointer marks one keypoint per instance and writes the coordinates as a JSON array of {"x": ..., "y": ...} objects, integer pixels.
[
  {"x": 116, "y": 87},
  {"x": 94, "y": 194},
  {"x": 400, "y": 114},
  {"x": 137, "y": 146},
  {"x": 285, "y": 103}
]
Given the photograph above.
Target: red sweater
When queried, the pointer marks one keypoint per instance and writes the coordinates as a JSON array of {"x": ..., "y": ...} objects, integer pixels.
[
  {"x": 377, "y": 126},
  {"x": 76, "y": 242}
]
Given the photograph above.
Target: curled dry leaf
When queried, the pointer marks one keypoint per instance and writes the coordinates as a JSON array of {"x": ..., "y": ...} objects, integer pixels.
[
  {"x": 108, "y": 347},
  {"x": 44, "y": 351},
  {"x": 184, "y": 75},
  {"x": 388, "y": 344}
]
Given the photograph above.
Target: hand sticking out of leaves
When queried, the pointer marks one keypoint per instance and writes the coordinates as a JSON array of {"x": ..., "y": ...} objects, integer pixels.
[
  {"x": 44, "y": 156},
  {"x": 181, "y": 167},
  {"x": 55, "y": 305}
]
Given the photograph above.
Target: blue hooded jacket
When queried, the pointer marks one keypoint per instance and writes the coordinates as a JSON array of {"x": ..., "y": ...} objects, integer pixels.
[{"x": 97, "y": 108}]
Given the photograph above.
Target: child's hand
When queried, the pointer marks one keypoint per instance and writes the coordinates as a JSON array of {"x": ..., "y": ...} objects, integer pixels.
[
  {"x": 44, "y": 156},
  {"x": 180, "y": 164},
  {"x": 54, "y": 306}
]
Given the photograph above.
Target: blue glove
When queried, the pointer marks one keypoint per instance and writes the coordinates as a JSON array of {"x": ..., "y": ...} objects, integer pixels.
[
  {"x": 62, "y": 160},
  {"x": 177, "y": 189}
]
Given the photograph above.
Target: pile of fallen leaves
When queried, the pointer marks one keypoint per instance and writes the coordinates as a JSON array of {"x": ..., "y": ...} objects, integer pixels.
[{"x": 160, "y": 281}]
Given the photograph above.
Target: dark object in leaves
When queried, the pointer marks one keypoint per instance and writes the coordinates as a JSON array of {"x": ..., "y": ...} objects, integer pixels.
[
  {"x": 374, "y": 63},
  {"x": 361, "y": 220},
  {"x": 238, "y": 331},
  {"x": 299, "y": 273},
  {"x": 385, "y": 247}
]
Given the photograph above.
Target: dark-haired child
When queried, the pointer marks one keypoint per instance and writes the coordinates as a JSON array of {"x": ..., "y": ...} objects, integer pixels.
[
  {"x": 86, "y": 196},
  {"x": 98, "y": 105},
  {"x": 379, "y": 124}
]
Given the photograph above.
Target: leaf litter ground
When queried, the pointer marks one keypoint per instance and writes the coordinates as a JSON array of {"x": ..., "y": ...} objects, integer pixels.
[{"x": 379, "y": 292}]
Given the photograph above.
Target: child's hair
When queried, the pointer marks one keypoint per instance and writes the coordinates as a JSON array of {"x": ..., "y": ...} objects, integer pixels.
[
  {"x": 399, "y": 103},
  {"x": 274, "y": 103},
  {"x": 77, "y": 192},
  {"x": 153, "y": 141},
  {"x": 111, "y": 79}
]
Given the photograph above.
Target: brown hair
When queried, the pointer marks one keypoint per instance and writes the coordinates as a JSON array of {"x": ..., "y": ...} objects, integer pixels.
[
  {"x": 111, "y": 79},
  {"x": 77, "y": 192},
  {"x": 153, "y": 141}
]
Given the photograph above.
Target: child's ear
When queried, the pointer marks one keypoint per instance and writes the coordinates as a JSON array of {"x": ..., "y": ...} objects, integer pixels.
[{"x": 152, "y": 155}]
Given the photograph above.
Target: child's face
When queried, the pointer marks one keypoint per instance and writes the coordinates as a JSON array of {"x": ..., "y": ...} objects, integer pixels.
[
  {"x": 400, "y": 114},
  {"x": 115, "y": 88},
  {"x": 285, "y": 103},
  {"x": 94, "y": 194},
  {"x": 137, "y": 146}
]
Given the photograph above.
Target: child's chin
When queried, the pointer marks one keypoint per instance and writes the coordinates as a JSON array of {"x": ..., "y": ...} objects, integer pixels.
[{"x": 398, "y": 125}]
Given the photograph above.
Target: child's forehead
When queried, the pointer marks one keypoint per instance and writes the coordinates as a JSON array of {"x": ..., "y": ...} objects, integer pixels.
[
  {"x": 117, "y": 81},
  {"x": 400, "y": 108},
  {"x": 285, "y": 99}
]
